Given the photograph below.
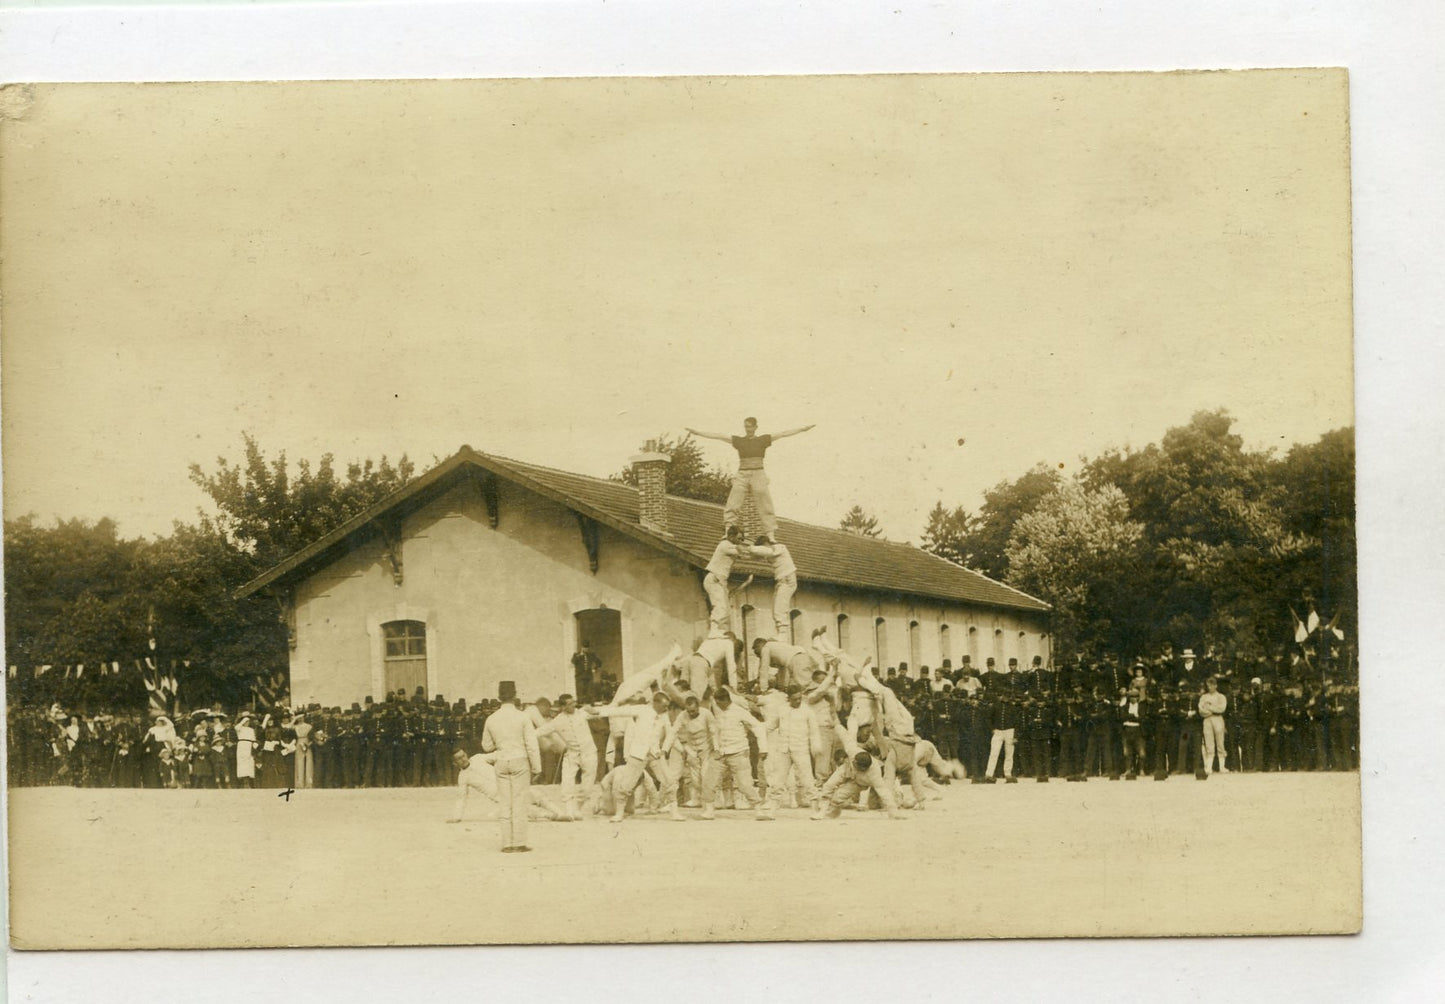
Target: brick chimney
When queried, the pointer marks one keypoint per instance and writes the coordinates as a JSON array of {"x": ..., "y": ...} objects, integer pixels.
[{"x": 650, "y": 470}]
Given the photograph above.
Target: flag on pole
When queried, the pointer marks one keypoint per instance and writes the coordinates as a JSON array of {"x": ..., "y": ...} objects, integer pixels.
[
  {"x": 1334, "y": 626},
  {"x": 1300, "y": 631}
]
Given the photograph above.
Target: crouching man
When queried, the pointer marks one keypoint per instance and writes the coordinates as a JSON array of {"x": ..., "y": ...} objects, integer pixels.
[
  {"x": 851, "y": 779},
  {"x": 478, "y": 773}
]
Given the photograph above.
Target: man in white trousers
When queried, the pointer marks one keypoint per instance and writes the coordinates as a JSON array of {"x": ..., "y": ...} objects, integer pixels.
[
  {"x": 648, "y": 739},
  {"x": 792, "y": 664},
  {"x": 579, "y": 755},
  {"x": 785, "y": 581},
  {"x": 733, "y": 727},
  {"x": 478, "y": 773},
  {"x": 751, "y": 479},
  {"x": 1212, "y": 705},
  {"x": 510, "y": 734},
  {"x": 797, "y": 738},
  {"x": 695, "y": 735},
  {"x": 715, "y": 582},
  {"x": 821, "y": 699},
  {"x": 856, "y": 777}
]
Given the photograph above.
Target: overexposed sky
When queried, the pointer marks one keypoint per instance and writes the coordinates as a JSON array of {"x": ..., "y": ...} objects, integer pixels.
[{"x": 1041, "y": 266}]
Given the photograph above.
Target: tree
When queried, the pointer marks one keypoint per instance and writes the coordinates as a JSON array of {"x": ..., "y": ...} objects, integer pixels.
[
  {"x": 1317, "y": 486},
  {"x": 1221, "y": 560},
  {"x": 855, "y": 520},
  {"x": 1004, "y": 505},
  {"x": 77, "y": 593},
  {"x": 1077, "y": 549},
  {"x": 688, "y": 474},
  {"x": 947, "y": 534},
  {"x": 267, "y": 513}
]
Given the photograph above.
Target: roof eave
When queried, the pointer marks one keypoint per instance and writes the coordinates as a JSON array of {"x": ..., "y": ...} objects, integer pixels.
[{"x": 297, "y": 562}]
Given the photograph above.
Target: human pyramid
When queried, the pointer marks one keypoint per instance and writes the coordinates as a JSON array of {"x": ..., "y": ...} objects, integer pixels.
[{"x": 685, "y": 722}]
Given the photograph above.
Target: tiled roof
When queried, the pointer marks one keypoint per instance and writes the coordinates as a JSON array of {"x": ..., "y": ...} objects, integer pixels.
[
  {"x": 825, "y": 556},
  {"x": 822, "y": 555}
]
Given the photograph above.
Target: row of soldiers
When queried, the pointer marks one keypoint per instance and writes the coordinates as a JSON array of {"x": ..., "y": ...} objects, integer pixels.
[
  {"x": 1060, "y": 724},
  {"x": 1079, "y": 731}
]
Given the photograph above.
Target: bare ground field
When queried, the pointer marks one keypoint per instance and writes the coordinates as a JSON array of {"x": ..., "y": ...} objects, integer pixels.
[{"x": 1238, "y": 854}]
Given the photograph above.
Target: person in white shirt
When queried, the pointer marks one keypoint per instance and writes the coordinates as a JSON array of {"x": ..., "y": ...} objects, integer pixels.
[
  {"x": 785, "y": 580},
  {"x": 695, "y": 735},
  {"x": 644, "y": 680},
  {"x": 821, "y": 700},
  {"x": 856, "y": 777},
  {"x": 1212, "y": 705},
  {"x": 245, "y": 751},
  {"x": 512, "y": 736},
  {"x": 865, "y": 689},
  {"x": 794, "y": 664},
  {"x": 734, "y": 725},
  {"x": 797, "y": 738},
  {"x": 477, "y": 773},
  {"x": 649, "y": 737},
  {"x": 715, "y": 582},
  {"x": 713, "y": 663},
  {"x": 771, "y": 703},
  {"x": 579, "y": 755}
]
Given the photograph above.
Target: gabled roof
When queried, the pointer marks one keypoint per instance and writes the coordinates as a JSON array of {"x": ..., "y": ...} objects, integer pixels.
[{"x": 831, "y": 557}]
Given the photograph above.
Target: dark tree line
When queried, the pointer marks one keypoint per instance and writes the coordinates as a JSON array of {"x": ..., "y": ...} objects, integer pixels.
[
  {"x": 1191, "y": 542},
  {"x": 78, "y": 594}
]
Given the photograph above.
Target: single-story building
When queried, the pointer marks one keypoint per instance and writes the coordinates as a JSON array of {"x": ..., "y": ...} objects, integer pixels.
[{"x": 487, "y": 569}]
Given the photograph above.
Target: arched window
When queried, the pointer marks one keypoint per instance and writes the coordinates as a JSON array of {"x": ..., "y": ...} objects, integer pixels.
[
  {"x": 945, "y": 644},
  {"x": 795, "y": 626},
  {"x": 404, "y": 657},
  {"x": 843, "y": 633},
  {"x": 915, "y": 644},
  {"x": 880, "y": 642}
]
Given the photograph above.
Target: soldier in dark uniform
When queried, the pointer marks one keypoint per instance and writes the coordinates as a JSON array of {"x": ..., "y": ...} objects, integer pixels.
[
  {"x": 1037, "y": 736},
  {"x": 1099, "y": 730},
  {"x": 1291, "y": 722},
  {"x": 410, "y": 748},
  {"x": 972, "y": 744},
  {"x": 1164, "y": 715},
  {"x": 945, "y": 735},
  {"x": 1245, "y": 721},
  {"x": 371, "y": 744},
  {"x": 1188, "y": 755},
  {"x": 1315, "y": 729},
  {"x": 1339, "y": 741},
  {"x": 350, "y": 747},
  {"x": 1267, "y": 720},
  {"x": 1071, "y": 713}
]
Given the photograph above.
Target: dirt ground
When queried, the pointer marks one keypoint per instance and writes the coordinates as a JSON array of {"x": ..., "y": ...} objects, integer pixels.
[{"x": 1259, "y": 854}]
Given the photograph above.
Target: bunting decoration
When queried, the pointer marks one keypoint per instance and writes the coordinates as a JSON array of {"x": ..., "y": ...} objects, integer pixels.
[{"x": 271, "y": 691}]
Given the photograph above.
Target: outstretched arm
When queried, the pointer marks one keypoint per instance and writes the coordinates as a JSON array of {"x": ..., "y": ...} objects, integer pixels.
[
  {"x": 644, "y": 679},
  {"x": 713, "y": 435},
  {"x": 791, "y": 432}
]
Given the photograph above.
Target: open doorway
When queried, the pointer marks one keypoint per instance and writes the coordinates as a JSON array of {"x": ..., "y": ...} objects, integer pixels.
[{"x": 597, "y": 663}]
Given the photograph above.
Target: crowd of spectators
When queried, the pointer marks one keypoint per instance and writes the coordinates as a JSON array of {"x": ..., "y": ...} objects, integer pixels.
[
  {"x": 1077, "y": 721},
  {"x": 1112, "y": 719}
]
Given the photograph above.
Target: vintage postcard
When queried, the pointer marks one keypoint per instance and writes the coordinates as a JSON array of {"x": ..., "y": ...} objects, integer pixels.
[{"x": 679, "y": 509}]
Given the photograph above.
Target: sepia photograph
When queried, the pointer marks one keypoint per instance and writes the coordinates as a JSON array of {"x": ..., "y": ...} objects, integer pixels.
[{"x": 680, "y": 509}]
